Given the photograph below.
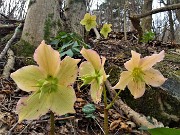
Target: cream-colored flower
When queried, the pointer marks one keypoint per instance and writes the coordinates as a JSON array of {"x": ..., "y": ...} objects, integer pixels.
[
  {"x": 140, "y": 72},
  {"x": 50, "y": 84},
  {"x": 92, "y": 72},
  {"x": 106, "y": 29},
  {"x": 89, "y": 21}
]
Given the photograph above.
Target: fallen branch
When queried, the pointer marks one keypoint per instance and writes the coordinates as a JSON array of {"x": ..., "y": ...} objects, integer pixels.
[
  {"x": 162, "y": 9},
  {"x": 139, "y": 119},
  {"x": 10, "y": 41},
  {"x": 10, "y": 26},
  {"x": 9, "y": 65}
]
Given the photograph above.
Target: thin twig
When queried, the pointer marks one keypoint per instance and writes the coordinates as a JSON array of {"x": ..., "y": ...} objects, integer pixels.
[
  {"x": 25, "y": 128},
  {"x": 10, "y": 41},
  {"x": 10, "y": 131}
]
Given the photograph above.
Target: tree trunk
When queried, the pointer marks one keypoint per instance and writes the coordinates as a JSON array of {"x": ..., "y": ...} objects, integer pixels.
[
  {"x": 75, "y": 11},
  {"x": 42, "y": 21},
  {"x": 177, "y": 10},
  {"x": 171, "y": 23},
  {"x": 147, "y": 21}
]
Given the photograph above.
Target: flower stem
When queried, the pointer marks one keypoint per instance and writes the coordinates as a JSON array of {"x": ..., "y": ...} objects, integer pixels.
[
  {"x": 105, "y": 112},
  {"x": 112, "y": 103},
  {"x": 52, "y": 123}
]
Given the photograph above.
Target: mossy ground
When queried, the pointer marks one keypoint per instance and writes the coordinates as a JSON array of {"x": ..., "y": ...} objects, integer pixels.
[
  {"x": 24, "y": 51},
  {"x": 149, "y": 103}
]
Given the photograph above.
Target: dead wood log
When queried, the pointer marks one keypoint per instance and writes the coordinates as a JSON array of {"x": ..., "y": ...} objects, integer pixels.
[
  {"x": 9, "y": 65},
  {"x": 9, "y": 43},
  {"x": 139, "y": 119}
]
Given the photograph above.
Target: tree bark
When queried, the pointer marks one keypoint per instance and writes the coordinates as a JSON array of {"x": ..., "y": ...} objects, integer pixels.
[
  {"x": 74, "y": 12},
  {"x": 42, "y": 21},
  {"x": 147, "y": 21},
  {"x": 172, "y": 33},
  {"x": 177, "y": 11}
]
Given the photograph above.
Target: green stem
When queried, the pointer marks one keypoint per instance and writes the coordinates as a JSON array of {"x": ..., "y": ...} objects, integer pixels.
[
  {"x": 114, "y": 99},
  {"x": 52, "y": 123},
  {"x": 105, "y": 112}
]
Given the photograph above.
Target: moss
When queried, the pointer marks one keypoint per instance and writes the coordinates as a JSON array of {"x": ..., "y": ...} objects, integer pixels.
[
  {"x": 6, "y": 38},
  {"x": 48, "y": 27},
  {"x": 23, "y": 48},
  {"x": 114, "y": 73},
  {"x": 25, "y": 51},
  {"x": 148, "y": 104}
]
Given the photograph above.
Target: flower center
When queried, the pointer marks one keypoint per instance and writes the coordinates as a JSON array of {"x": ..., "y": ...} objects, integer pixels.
[
  {"x": 137, "y": 74},
  {"x": 88, "y": 78},
  {"x": 50, "y": 84},
  {"x": 89, "y": 21},
  {"x": 106, "y": 30}
]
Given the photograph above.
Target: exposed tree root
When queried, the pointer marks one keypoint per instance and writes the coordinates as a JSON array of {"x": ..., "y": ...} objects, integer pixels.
[
  {"x": 169, "y": 116},
  {"x": 9, "y": 43},
  {"x": 139, "y": 119},
  {"x": 9, "y": 65}
]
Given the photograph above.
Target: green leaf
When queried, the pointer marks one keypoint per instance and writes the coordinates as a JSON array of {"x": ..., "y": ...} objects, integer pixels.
[
  {"x": 76, "y": 50},
  {"x": 75, "y": 44},
  {"x": 164, "y": 131},
  {"x": 68, "y": 53},
  {"x": 89, "y": 109},
  {"x": 54, "y": 42},
  {"x": 67, "y": 45}
]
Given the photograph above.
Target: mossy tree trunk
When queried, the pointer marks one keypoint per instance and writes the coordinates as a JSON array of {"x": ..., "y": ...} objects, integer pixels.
[
  {"x": 42, "y": 21},
  {"x": 75, "y": 11}
]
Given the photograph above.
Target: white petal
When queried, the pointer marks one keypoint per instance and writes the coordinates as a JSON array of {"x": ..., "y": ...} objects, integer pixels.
[
  {"x": 63, "y": 100},
  {"x": 125, "y": 78},
  {"x": 133, "y": 62},
  {"x": 137, "y": 89},
  {"x": 148, "y": 61},
  {"x": 27, "y": 77},
  {"x": 47, "y": 58},
  {"x": 154, "y": 77}
]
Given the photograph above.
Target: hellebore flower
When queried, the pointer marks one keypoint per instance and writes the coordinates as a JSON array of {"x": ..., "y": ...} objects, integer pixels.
[
  {"x": 50, "y": 84},
  {"x": 106, "y": 29},
  {"x": 140, "y": 72},
  {"x": 92, "y": 72},
  {"x": 89, "y": 21}
]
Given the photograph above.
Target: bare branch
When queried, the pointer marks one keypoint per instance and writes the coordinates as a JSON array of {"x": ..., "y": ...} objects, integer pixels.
[
  {"x": 162, "y": 9},
  {"x": 10, "y": 41}
]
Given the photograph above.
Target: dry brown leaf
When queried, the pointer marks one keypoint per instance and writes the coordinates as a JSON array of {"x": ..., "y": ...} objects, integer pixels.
[{"x": 114, "y": 124}]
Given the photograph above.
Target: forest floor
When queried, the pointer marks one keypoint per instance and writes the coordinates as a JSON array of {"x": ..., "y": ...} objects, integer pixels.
[{"x": 117, "y": 52}]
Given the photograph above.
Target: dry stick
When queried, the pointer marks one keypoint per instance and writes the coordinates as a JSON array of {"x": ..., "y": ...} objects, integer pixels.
[
  {"x": 140, "y": 120},
  {"x": 10, "y": 41},
  {"x": 9, "y": 65},
  {"x": 97, "y": 33},
  {"x": 10, "y": 131},
  {"x": 25, "y": 128}
]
